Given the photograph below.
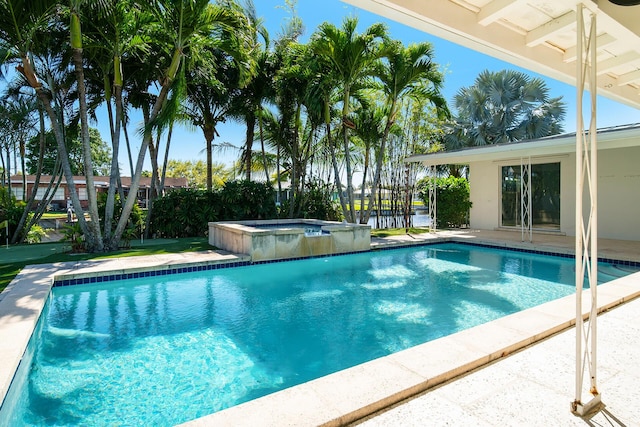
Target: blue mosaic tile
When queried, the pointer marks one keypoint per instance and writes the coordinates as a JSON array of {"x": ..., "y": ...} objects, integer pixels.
[{"x": 236, "y": 264}]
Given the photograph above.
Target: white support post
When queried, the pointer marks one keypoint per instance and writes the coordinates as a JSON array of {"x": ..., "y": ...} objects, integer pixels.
[
  {"x": 432, "y": 199},
  {"x": 586, "y": 219},
  {"x": 525, "y": 199}
]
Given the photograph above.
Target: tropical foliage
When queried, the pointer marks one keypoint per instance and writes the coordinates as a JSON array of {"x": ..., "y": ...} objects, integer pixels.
[
  {"x": 453, "y": 204},
  {"x": 330, "y": 121},
  {"x": 100, "y": 153},
  {"x": 504, "y": 106},
  {"x": 186, "y": 213}
]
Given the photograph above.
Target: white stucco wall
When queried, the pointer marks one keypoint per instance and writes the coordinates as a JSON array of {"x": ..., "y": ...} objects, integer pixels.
[
  {"x": 618, "y": 193},
  {"x": 484, "y": 184}
]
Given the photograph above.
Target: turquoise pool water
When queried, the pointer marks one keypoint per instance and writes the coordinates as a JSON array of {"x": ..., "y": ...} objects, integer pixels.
[{"x": 165, "y": 350}]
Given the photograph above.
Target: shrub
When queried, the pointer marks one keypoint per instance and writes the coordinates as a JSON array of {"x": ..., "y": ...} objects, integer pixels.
[
  {"x": 36, "y": 234},
  {"x": 242, "y": 200},
  {"x": 187, "y": 212},
  {"x": 452, "y": 200},
  {"x": 184, "y": 213},
  {"x": 10, "y": 210},
  {"x": 72, "y": 234},
  {"x": 315, "y": 203}
]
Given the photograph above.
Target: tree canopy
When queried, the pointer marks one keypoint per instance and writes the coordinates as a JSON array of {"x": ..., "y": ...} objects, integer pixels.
[
  {"x": 504, "y": 106},
  {"x": 348, "y": 104},
  {"x": 100, "y": 153}
]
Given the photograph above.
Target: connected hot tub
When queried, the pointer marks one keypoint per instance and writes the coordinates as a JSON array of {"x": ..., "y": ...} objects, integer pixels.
[{"x": 290, "y": 238}]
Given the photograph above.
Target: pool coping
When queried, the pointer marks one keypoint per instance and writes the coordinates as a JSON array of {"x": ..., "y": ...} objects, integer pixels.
[{"x": 335, "y": 399}]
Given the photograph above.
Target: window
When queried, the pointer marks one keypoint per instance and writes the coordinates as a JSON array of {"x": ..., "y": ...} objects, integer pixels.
[
  {"x": 17, "y": 192},
  {"x": 42, "y": 192},
  {"x": 545, "y": 196}
]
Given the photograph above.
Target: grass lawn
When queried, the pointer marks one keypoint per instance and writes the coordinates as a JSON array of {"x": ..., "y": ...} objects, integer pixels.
[
  {"x": 386, "y": 232},
  {"x": 17, "y": 257},
  {"x": 386, "y": 205}
]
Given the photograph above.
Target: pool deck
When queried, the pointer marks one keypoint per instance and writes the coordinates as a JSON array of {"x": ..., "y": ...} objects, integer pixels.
[{"x": 492, "y": 374}]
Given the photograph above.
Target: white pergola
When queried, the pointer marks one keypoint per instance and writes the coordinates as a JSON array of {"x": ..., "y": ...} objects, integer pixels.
[{"x": 591, "y": 44}]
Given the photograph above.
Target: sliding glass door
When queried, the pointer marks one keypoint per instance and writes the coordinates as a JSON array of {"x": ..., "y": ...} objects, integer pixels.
[{"x": 545, "y": 196}]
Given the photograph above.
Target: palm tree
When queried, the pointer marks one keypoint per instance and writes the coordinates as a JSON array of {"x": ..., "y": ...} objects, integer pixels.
[
  {"x": 351, "y": 57},
  {"x": 407, "y": 72},
  {"x": 23, "y": 24},
  {"x": 504, "y": 106},
  {"x": 209, "y": 95},
  {"x": 180, "y": 27},
  {"x": 113, "y": 32},
  {"x": 369, "y": 120},
  {"x": 248, "y": 101},
  {"x": 21, "y": 124}
]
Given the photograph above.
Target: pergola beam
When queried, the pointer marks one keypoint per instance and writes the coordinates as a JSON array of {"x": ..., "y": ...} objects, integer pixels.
[
  {"x": 496, "y": 10},
  {"x": 544, "y": 32}
]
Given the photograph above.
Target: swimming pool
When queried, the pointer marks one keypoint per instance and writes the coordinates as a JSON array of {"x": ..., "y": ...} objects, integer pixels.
[{"x": 104, "y": 353}]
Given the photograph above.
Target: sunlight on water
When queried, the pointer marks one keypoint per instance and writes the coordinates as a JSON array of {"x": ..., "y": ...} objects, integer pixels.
[
  {"x": 321, "y": 294},
  {"x": 442, "y": 266},
  {"x": 402, "y": 312},
  {"x": 384, "y": 285},
  {"x": 393, "y": 272}
]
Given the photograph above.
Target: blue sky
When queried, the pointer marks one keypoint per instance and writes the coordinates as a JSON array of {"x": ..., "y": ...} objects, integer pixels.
[{"x": 460, "y": 65}]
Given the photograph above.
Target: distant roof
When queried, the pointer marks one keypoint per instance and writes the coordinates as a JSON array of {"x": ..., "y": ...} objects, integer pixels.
[
  {"x": 608, "y": 138},
  {"x": 103, "y": 181}
]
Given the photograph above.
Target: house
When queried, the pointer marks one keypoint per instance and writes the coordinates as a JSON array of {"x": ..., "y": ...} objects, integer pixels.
[
  {"x": 101, "y": 183},
  {"x": 495, "y": 180}
]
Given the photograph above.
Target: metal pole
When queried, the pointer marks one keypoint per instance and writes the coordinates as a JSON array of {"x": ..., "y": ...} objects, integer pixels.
[
  {"x": 593, "y": 222},
  {"x": 578, "y": 218},
  {"x": 525, "y": 199},
  {"x": 432, "y": 199},
  {"x": 586, "y": 237}
]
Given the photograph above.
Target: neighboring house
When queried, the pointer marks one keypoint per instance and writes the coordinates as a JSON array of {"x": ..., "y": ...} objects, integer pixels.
[
  {"x": 101, "y": 183},
  {"x": 494, "y": 180}
]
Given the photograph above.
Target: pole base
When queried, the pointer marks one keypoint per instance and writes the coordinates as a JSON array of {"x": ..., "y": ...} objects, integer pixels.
[{"x": 582, "y": 409}]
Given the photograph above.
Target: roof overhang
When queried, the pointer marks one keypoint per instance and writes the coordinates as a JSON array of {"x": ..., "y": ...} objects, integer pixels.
[
  {"x": 627, "y": 136},
  {"x": 539, "y": 35}
]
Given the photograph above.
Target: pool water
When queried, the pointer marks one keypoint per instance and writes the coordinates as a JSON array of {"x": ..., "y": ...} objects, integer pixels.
[{"x": 165, "y": 350}]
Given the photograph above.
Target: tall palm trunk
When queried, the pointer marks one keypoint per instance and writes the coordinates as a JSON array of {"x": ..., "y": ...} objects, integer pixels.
[
  {"x": 264, "y": 154},
  {"x": 93, "y": 237},
  {"x": 114, "y": 175},
  {"x": 294, "y": 162},
  {"x": 334, "y": 161},
  {"x": 209, "y": 134},
  {"x": 365, "y": 170},
  {"x": 248, "y": 160},
  {"x": 135, "y": 179},
  {"x": 345, "y": 135},
  {"x": 376, "y": 175},
  {"x": 165, "y": 162},
  {"x": 126, "y": 139},
  {"x": 36, "y": 184},
  {"x": 26, "y": 69}
]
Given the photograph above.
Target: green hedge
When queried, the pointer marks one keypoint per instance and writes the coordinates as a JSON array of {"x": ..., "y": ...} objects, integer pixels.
[
  {"x": 187, "y": 212},
  {"x": 452, "y": 200},
  {"x": 10, "y": 210}
]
